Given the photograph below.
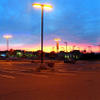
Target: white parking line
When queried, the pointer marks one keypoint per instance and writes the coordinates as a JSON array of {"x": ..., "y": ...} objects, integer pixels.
[{"x": 8, "y": 76}]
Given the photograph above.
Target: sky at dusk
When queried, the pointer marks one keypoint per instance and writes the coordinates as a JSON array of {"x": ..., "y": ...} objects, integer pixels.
[{"x": 74, "y": 21}]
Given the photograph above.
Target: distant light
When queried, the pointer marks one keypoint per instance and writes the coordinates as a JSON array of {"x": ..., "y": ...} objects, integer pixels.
[
  {"x": 45, "y": 6},
  {"x": 7, "y": 36},
  {"x": 3, "y": 55},
  {"x": 57, "y": 39}
]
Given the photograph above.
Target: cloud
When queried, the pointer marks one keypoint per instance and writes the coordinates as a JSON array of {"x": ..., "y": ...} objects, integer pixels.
[{"x": 75, "y": 21}]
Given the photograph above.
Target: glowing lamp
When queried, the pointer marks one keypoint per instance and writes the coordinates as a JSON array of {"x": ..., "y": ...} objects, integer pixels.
[
  {"x": 45, "y": 6},
  {"x": 57, "y": 39},
  {"x": 7, "y": 36}
]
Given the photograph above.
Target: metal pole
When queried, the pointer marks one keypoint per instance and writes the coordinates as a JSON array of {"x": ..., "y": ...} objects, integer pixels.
[
  {"x": 99, "y": 48},
  {"x": 42, "y": 11},
  {"x": 66, "y": 46},
  {"x": 57, "y": 46},
  {"x": 7, "y": 45},
  {"x": 74, "y": 47},
  {"x": 90, "y": 49}
]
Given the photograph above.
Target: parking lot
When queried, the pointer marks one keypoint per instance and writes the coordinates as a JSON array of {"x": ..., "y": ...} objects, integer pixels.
[{"x": 20, "y": 80}]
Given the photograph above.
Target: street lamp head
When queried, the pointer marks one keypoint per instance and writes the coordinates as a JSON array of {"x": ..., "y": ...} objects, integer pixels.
[
  {"x": 7, "y": 36},
  {"x": 45, "y": 6},
  {"x": 57, "y": 39},
  {"x": 36, "y": 5},
  {"x": 48, "y": 7}
]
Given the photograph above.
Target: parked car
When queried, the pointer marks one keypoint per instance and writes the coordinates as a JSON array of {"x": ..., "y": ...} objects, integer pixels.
[{"x": 70, "y": 58}]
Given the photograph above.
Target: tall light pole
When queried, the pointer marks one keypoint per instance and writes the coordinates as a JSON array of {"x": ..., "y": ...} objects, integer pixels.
[
  {"x": 62, "y": 48},
  {"x": 99, "y": 48},
  {"x": 53, "y": 48},
  {"x": 78, "y": 48},
  {"x": 57, "y": 43},
  {"x": 42, "y": 6},
  {"x": 7, "y": 37},
  {"x": 89, "y": 49},
  {"x": 74, "y": 47},
  {"x": 66, "y": 46}
]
